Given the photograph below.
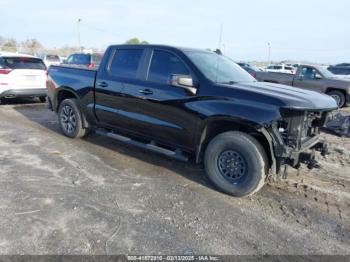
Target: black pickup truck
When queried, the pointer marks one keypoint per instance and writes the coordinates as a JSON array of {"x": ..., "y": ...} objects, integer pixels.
[{"x": 193, "y": 105}]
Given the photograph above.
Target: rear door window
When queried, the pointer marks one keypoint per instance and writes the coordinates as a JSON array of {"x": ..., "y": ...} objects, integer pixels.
[
  {"x": 164, "y": 65},
  {"x": 125, "y": 63},
  {"x": 23, "y": 63}
]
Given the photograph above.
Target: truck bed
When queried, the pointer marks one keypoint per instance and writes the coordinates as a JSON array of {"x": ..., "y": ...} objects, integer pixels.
[
  {"x": 272, "y": 77},
  {"x": 73, "y": 77}
]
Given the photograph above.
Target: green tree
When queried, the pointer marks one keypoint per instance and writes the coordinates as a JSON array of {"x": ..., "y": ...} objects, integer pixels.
[
  {"x": 10, "y": 45},
  {"x": 135, "y": 41}
]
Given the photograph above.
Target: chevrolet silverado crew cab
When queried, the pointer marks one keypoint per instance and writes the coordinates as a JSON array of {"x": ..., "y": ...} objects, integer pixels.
[
  {"x": 313, "y": 77},
  {"x": 193, "y": 105}
]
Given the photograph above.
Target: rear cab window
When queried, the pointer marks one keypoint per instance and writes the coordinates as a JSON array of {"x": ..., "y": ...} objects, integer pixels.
[
  {"x": 125, "y": 63},
  {"x": 22, "y": 63}
]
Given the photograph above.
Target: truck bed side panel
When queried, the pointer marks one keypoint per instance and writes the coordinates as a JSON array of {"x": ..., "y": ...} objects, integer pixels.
[
  {"x": 279, "y": 78},
  {"x": 78, "y": 81}
]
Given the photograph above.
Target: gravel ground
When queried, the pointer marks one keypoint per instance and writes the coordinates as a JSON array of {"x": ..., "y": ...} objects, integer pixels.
[{"x": 96, "y": 196}]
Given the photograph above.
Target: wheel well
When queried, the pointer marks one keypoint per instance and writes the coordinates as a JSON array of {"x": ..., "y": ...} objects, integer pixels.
[
  {"x": 217, "y": 127},
  {"x": 329, "y": 89},
  {"x": 62, "y": 95}
]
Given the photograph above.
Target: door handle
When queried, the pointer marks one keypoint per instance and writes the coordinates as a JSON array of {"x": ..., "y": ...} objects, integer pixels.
[
  {"x": 102, "y": 84},
  {"x": 146, "y": 91}
]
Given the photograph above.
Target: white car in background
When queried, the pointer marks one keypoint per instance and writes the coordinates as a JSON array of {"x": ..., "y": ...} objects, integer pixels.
[
  {"x": 282, "y": 68},
  {"x": 22, "y": 76},
  {"x": 51, "y": 60}
]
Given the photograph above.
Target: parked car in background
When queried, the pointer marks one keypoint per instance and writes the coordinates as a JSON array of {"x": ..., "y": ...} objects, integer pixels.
[
  {"x": 250, "y": 68},
  {"x": 313, "y": 77},
  {"x": 192, "y": 104},
  {"x": 84, "y": 60},
  {"x": 282, "y": 68},
  {"x": 22, "y": 76},
  {"x": 343, "y": 64},
  {"x": 339, "y": 70},
  {"x": 63, "y": 59},
  {"x": 51, "y": 60}
]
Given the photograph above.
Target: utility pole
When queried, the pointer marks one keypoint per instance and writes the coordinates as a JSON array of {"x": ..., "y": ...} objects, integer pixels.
[
  {"x": 269, "y": 53},
  {"x": 79, "y": 45}
]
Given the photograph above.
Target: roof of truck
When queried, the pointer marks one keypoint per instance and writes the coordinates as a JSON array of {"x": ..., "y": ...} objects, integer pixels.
[{"x": 162, "y": 46}]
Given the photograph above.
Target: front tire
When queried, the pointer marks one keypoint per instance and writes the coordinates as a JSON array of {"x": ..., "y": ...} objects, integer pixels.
[
  {"x": 71, "y": 119},
  {"x": 338, "y": 97},
  {"x": 236, "y": 163}
]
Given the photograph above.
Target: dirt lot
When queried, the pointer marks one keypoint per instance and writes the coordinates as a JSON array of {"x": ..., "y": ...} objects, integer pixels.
[{"x": 96, "y": 196}]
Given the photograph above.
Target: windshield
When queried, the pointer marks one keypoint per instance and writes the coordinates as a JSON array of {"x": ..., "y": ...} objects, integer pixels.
[
  {"x": 325, "y": 72},
  {"x": 219, "y": 68}
]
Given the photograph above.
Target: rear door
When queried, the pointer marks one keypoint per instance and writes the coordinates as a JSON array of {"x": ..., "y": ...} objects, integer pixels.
[
  {"x": 23, "y": 73},
  {"x": 121, "y": 70},
  {"x": 154, "y": 108}
]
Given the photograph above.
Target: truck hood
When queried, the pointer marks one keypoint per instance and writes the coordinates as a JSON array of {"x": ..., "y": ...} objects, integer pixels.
[{"x": 282, "y": 96}]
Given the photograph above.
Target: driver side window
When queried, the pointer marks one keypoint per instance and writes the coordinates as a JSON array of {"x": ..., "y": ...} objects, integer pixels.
[
  {"x": 164, "y": 65},
  {"x": 309, "y": 73}
]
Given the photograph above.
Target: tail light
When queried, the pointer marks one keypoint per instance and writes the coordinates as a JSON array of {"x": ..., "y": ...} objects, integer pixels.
[
  {"x": 254, "y": 75},
  {"x": 5, "y": 71},
  {"x": 91, "y": 65}
]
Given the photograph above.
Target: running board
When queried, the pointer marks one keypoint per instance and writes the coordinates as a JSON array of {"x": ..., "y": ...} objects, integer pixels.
[{"x": 177, "y": 154}]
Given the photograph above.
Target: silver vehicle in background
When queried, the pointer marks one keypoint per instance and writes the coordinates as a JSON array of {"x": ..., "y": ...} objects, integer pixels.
[{"x": 51, "y": 60}]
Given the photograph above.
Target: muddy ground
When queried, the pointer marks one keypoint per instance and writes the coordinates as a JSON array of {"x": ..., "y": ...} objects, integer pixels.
[{"x": 96, "y": 196}]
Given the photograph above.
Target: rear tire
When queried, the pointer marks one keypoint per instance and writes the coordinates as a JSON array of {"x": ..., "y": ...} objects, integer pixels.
[
  {"x": 236, "y": 163},
  {"x": 338, "y": 97},
  {"x": 71, "y": 119}
]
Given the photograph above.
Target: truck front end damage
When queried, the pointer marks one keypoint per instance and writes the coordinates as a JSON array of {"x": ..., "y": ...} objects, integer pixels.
[{"x": 295, "y": 138}]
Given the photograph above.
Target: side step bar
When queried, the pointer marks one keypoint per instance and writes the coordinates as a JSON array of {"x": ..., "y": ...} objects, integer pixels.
[{"x": 177, "y": 154}]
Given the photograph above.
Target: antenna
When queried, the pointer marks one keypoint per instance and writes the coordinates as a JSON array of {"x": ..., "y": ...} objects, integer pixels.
[
  {"x": 218, "y": 51},
  {"x": 79, "y": 44},
  {"x": 220, "y": 37}
]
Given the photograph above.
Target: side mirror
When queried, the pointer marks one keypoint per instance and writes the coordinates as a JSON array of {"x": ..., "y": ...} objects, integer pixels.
[
  {"x": 185, "y": 82},
  {"x": 318, "y": 77}
]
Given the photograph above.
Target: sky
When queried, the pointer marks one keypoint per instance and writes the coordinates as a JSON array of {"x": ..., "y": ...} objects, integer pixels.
[{"x": 300, "y": 30}]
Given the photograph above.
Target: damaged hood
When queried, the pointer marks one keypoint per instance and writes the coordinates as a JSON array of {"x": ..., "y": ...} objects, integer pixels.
[{"x": 282, "y": 96}]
